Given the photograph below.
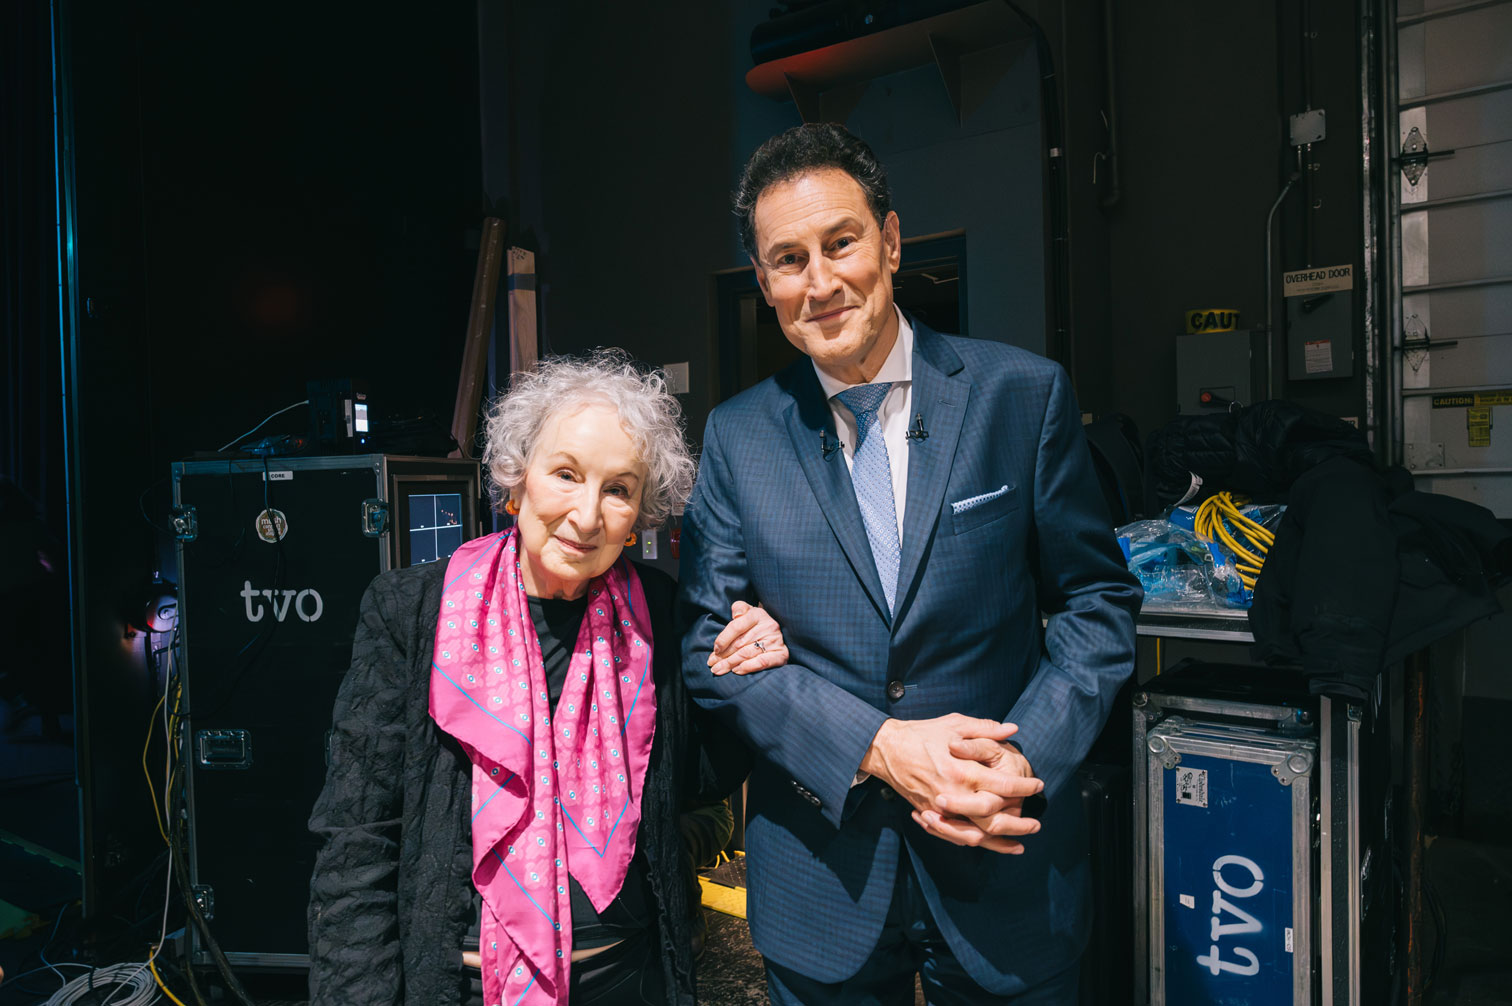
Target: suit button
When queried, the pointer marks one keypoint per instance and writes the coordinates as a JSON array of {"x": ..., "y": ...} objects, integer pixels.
[
  {"x": 895, "y": 690},
  {"x": 888, "y": 793}
]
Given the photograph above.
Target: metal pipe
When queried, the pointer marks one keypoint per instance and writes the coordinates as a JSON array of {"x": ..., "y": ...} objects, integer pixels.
[
  {"x": 1270, "y": 290},
  {"x": 1417, "y": 781},
  {"x": 1391, "y": 252},
  {"x": 1114, "y": 191},
  {"x": 1370, "y": 171}
]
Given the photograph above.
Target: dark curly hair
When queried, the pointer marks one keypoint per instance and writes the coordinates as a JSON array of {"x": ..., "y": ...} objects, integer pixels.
[{"x": 813, "y": 146}]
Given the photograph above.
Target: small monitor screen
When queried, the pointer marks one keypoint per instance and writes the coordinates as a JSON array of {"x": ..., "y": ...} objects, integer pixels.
[
  {"x": 360, "y": 417},
  {"x": 435, "y": 526}
]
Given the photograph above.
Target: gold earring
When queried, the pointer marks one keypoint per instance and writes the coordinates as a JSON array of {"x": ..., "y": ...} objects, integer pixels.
[
  {"x": 511, "y": 507},
  {"x": 630, "y": 539}
]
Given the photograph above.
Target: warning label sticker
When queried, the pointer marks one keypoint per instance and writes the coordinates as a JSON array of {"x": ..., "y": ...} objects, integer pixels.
[
  {"x": 1212, "y": 319},
  {"x": 1327, "y": 279},
  {"x": 1477, "y": 400},
  {"x": 1191, "y": 786},
  {"x": 1317, "y": 356}
]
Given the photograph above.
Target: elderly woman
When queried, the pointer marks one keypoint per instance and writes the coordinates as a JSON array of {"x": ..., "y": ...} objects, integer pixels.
[{"x": 512, "y": 744}]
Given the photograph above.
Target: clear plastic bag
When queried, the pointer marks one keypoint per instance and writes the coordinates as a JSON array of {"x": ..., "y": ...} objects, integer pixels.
[
  {"x": 1182, "y": 572},
  {"x": 1175, "y": 567}
]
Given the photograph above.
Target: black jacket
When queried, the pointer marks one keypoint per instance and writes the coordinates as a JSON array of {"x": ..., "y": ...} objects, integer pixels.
[{"x": 390, "y": 899}]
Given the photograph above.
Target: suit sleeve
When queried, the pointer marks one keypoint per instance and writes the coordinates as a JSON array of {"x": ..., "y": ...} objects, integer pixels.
[
  {"x": 353, "y": 913},
  {"x": 805, "y": 724},
  {"x": 1088, "y": 594}
]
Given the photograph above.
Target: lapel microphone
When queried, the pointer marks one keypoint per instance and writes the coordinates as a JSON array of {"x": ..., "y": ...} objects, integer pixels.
[
  {"x": 826, "y": 446},
  {"x": 918, "y": 432}
]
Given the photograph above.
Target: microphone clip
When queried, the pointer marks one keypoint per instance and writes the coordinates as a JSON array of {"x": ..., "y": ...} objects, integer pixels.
[
  {"x": 918, "y": 432},
  {"x": 827, "y": 446}
]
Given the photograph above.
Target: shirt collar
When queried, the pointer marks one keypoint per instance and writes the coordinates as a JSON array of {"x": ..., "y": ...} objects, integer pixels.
[{"x": 896, "y": 368}]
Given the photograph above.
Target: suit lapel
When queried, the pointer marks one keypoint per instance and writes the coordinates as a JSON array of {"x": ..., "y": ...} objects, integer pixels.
[
  {"x": 940, "y": 397},
  {"x": 807, "y": 415}
]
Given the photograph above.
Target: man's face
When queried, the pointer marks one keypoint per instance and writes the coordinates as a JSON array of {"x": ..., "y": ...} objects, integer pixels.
[{"x": 826, "y": 267}]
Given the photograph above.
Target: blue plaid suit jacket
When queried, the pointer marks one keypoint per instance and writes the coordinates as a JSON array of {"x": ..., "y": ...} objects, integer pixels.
[{"x": 774, "y": 520}]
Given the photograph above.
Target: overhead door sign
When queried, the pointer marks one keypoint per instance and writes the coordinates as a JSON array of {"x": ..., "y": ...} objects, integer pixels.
[
  {"x": 1212, "y": 319},
  {"x": 1327, "y": 279}
]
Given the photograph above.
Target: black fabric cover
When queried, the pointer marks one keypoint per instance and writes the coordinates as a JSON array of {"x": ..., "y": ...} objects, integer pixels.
[
  {"x": 1365, "y": 569},
  {"x": 1360, "y": 577},
  {"x": 389, "y": 903},
  {"x": 1259, "y": 450}
]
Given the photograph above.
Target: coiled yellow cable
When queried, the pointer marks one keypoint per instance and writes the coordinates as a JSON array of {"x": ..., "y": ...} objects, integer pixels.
[{"x": 1214, "y": 517}]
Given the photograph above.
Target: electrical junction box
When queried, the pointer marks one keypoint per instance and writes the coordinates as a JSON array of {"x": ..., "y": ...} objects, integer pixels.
[
  {"x": 1214, "y": 370},
  {"x": 1320, "y": 336},
  {"x": 1319, "y": 322}
]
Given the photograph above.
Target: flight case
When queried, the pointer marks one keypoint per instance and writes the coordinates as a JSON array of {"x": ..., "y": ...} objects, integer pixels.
[
  {"x": 1289, "y": 794},
  {"x": 274, "y": 555}
]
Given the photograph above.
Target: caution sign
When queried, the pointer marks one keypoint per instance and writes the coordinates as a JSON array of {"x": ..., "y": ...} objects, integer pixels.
[
  {"x": 1211, "y": 319},
  {"x": 1328, "y": 279},
  {"x": 1475, "y": 400},
  {"x": 1478, "y": 426}
]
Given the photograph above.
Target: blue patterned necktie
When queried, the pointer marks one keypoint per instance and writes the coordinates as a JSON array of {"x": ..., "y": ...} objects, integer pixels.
[{"x": 871, "y": 474}]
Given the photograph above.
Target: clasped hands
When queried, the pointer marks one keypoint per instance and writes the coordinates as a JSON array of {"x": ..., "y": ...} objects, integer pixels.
[{"x": 966, "y": 786}]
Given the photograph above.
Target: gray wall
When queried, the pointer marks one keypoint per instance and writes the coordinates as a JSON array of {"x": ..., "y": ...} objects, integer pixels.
[{"x": 615, "y": 140}]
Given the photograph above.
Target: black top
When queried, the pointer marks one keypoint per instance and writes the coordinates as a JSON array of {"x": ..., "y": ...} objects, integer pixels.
[
  {"x": 557, "y": 624},
  {"x": 389, "y": 909}
]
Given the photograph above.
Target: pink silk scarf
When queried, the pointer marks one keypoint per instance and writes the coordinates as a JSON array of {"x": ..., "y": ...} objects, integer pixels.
[{"x": 553, "y": 791}]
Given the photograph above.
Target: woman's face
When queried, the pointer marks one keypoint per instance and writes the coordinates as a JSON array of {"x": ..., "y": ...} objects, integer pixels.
[{"x": 581, "y": 498}]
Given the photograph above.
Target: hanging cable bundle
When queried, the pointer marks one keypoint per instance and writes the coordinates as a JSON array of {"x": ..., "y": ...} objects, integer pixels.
[{"x": 1221, "y": 519}]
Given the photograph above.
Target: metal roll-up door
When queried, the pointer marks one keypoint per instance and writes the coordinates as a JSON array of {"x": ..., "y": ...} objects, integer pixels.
[{"x": 1452, "y": 365}]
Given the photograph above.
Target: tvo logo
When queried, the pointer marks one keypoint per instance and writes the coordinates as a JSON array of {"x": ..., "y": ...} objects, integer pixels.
[
  {"x": 1242, "y": 924},
  {"x": 306, "y": 603}
]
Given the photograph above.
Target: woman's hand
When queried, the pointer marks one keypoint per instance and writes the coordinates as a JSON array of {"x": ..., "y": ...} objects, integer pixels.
[{"x": 752, "y": 641}]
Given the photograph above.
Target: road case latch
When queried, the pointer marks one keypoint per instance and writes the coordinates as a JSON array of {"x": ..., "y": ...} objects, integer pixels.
[
  {"x": 220, "y": 750},
  {"x": 185, "y": 522},
  {"x": 375, "y": 517}
]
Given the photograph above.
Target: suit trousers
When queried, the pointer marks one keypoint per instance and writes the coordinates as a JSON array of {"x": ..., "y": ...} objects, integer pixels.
[{"x": 911, "y": 944}]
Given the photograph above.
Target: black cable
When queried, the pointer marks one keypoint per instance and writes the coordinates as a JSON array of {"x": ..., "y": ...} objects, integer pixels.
[
  {"x": 177, "y": 823},
  {"x": 142, "y": 508}
]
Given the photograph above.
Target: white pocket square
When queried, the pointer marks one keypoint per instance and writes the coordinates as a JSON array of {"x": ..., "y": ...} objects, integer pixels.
[{"x": 975, "y": 501}]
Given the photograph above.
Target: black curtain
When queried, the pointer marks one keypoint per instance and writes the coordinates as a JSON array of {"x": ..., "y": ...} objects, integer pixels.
[{"x": 31, "y": 435}]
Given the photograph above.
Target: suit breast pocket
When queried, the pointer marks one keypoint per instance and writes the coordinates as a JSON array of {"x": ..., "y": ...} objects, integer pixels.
[{"x": 999, "y": 505}]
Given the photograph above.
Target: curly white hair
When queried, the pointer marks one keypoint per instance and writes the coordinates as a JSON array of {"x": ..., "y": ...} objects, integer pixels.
[{"x": 650, "y": 415}]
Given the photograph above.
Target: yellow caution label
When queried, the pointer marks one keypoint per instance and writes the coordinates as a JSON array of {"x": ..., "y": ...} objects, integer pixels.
[
  {"x": 1476, "y": 400},
  {"x": 1480, "y": 436},
  {"x": 1212, "y": 319},
  {"x": 1478, "y": 417}
]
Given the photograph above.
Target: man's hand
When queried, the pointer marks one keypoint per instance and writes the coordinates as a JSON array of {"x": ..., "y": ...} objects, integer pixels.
[
  {"x": 965, "y": 785},
  {"x": 961, "y": 818},
  {"x": 751, "y": 641}
]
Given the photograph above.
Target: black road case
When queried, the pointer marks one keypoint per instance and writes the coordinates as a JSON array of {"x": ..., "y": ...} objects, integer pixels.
[{"x": 274, "y": 556}]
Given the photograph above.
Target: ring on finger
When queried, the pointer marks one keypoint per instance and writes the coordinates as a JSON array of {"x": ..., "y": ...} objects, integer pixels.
[{"x": 760, "y": 646}]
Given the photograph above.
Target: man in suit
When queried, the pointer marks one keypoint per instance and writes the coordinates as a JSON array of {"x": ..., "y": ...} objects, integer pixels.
[{"x": 906, "y": 504}]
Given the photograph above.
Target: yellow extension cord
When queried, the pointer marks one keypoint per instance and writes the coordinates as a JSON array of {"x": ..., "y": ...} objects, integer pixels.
[{"x": 1215, "y": 516}]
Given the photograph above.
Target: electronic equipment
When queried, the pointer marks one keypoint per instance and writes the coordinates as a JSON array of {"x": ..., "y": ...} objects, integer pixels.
[
  {"x": 339, "y": 417},
  {"x": 274, "y": 556}
]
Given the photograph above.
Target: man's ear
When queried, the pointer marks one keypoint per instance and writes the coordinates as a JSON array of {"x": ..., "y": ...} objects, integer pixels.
[
  {"x": 761, "y": 281},
  {"x": 892, "y": 241}
]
